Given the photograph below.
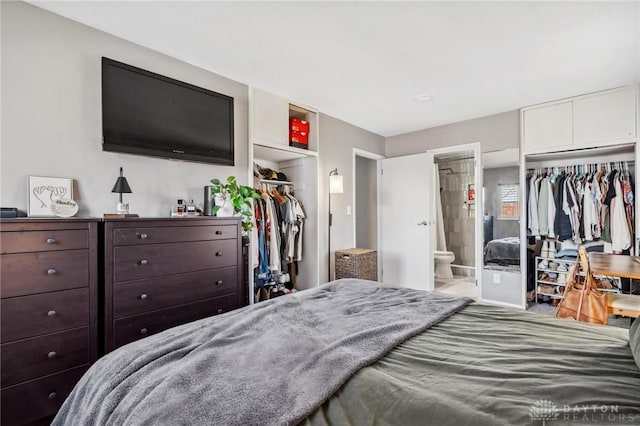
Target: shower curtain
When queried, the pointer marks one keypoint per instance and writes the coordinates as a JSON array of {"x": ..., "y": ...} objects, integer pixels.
[{"x": 440, "y": 239}]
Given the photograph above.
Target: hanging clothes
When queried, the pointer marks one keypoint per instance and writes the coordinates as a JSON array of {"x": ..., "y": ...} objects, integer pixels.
[
  {"x": 582, "y": 204},
  {"x": 279, "y": 218}
]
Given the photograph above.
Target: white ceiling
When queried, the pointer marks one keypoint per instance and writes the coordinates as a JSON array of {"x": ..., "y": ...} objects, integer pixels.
[{"x": 365, "y": 62}]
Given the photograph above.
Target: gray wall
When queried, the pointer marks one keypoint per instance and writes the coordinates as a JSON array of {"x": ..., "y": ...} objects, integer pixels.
[
  {"x": 337, "y": 140},
  {"x": 366, "y": 208},
  {"x": 459, "y": 225},
  {"x": 51, "y": 116},
  {"x": 494, "y": 132},
  {"x": 492, "y": 178}
]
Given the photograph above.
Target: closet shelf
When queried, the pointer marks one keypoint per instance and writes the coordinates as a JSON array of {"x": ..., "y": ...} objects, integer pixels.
[
  {"x": 553, "y": 283},
  {"x": 553, "y": 296},
  {"x": 278, "y": 152},
  {"x": 276, "y": 182}
]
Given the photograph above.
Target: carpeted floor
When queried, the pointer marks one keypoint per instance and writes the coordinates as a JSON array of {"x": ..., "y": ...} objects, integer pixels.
[{"x": 545, "y": 308}]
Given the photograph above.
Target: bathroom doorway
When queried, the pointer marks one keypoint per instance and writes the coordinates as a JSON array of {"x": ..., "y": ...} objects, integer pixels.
[
  {"x": 458, "y": 217},
  {"x": 366, "y": 175}
]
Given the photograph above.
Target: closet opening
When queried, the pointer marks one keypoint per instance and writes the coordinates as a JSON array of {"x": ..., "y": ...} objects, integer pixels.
[
  {"x": 284, "y": 252},
  {"x": 457, "y": 198},
  {"x": 581, "y": 198}
]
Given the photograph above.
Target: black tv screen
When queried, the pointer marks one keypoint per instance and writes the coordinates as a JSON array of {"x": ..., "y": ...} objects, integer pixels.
[{"x": 149, "y": 114}]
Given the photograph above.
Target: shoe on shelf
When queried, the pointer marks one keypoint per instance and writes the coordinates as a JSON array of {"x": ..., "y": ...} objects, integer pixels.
[
  {"x": 543, "y": 264},
  {"x": 545, "y": 249},
  {"x": 562, "y": 267}
]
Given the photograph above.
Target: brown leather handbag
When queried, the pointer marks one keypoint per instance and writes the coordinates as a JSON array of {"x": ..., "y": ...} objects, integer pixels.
[{"x": 583, "y": 301}]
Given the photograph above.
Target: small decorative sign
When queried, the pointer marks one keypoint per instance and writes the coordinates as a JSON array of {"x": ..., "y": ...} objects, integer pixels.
[
  {"x": 43, "y": 191},
  {"x": 64, "y": 207}
]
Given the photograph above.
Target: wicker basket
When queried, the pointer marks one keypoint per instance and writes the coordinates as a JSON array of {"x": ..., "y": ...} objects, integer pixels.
[{"x": 357, "y": 263}]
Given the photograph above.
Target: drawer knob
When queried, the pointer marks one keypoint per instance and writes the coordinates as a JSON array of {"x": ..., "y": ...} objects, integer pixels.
[
  {"x": 51, "y": 240},
  {"x": 143, "y": 236},
  {"x": 143, "y": 331},
  {"x": 220, "y": 310},
  {"x": 51, "y": 313},
  {"x": 143, "y": 296},
  {"x": 218, "y": 253},
  {"x": 53, "y": 395},
  {"x": 51, "y": 271},
  {"x": 218, "y": 282},
  {"x": 218, "y": 232},
  {"x": 144, "y": 261},
  {"x": 52, "y": 354}
]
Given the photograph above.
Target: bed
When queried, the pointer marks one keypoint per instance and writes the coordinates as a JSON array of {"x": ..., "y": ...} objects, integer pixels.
[
  {"x": 377, "y": 355},
  {"x": 502, "y": 251}
]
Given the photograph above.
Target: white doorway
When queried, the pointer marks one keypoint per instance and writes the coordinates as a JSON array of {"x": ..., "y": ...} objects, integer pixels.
[
  {"x": 366, "y": 201},
  {"x": 459, "y": 175}
]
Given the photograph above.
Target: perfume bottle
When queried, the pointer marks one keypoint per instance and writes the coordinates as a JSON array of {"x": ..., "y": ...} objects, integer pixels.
[
  {"x": 178, "y": 210},
  {"x": 191, "y": 209}
]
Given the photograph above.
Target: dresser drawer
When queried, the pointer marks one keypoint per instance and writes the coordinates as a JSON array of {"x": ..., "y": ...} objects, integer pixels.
[
  {"x": 39, "y": 398},
  {"x": 39, "y": 314},
  {"x": 30, "y": 273},
  {"x": 39, "y": 356},
  {"x": 133, "y": 328},
  {"x": 29, "y": 241},
  {"x": 135, "y": 297},
  {"x": 172, "y": 234},
  {"x": 136, "y": 262}
]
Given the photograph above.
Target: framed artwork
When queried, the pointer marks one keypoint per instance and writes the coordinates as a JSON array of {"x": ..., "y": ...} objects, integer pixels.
[{"x": 43, "y": 191}]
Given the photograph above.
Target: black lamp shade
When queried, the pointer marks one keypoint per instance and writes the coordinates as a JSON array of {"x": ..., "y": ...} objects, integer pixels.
[{"x": 121, "y": 186}]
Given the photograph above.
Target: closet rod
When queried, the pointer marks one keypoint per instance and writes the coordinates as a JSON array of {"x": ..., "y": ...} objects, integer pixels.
[
  {"x": 531, "y": 167},
  {"x": 628, "y": 157}
]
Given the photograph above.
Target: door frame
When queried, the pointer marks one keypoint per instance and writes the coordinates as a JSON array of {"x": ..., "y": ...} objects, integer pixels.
[
  {"x": 476, "y": 148},
  {"x": 357, "y": 152}
]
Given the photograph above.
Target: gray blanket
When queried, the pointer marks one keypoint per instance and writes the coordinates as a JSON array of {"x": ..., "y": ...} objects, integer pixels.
[{"x": 271, "y": 363}]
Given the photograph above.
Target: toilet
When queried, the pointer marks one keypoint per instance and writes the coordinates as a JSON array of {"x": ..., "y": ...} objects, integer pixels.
[{"x": 443, "y": 260}]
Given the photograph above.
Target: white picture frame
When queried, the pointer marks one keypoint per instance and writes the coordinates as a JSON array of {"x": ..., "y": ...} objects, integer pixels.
[{"x": 43, "y": 190}]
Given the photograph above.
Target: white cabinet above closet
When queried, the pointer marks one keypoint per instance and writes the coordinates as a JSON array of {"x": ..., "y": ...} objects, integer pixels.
[
  {"x": 596, "y": 119},
  {"x": 548, "y": 126},
  {"x": 605, "y": 117},
  {"x": 270, "y": 125}
]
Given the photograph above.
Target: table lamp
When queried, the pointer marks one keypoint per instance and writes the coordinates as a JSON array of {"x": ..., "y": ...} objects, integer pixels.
[{"x": 121, "y": 187}]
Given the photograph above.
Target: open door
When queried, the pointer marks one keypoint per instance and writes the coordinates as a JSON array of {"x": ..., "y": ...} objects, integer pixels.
[{"x": 406, "y": 209}]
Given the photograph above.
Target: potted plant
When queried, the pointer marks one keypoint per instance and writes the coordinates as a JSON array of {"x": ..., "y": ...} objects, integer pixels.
[{"x": 233, "y": 199}]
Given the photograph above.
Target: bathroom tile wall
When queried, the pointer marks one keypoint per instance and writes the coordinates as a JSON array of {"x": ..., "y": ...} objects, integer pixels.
[{"x": 458, "y": 220}]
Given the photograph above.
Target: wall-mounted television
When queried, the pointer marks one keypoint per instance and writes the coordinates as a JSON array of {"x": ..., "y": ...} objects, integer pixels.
[{"x": 148, "y": 114}]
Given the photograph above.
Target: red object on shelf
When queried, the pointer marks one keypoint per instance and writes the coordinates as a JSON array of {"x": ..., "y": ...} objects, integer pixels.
[
  {"x": 297, "y": 125},
  {"x": 299, "y": 137}
]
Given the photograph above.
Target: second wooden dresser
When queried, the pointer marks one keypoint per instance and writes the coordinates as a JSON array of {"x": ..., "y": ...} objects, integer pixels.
[{"x": 160, "y": 273}]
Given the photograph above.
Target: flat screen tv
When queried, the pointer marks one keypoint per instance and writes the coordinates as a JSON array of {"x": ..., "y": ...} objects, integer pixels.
[{"x": 149, "y": 114}]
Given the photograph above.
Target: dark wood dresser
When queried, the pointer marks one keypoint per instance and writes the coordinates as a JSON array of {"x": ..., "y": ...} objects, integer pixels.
[
  {"x": 49, "y": 334},
  {"x": 160, "y": 273}
]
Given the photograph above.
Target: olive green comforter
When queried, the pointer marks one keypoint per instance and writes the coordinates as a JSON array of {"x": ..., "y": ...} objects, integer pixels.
[{"x": 488, "y": 365}]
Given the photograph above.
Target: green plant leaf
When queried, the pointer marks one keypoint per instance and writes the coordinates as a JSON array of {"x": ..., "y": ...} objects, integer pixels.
[
  {"x": 215, "y": 181},
  {"x": 215, "y": 210}
]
